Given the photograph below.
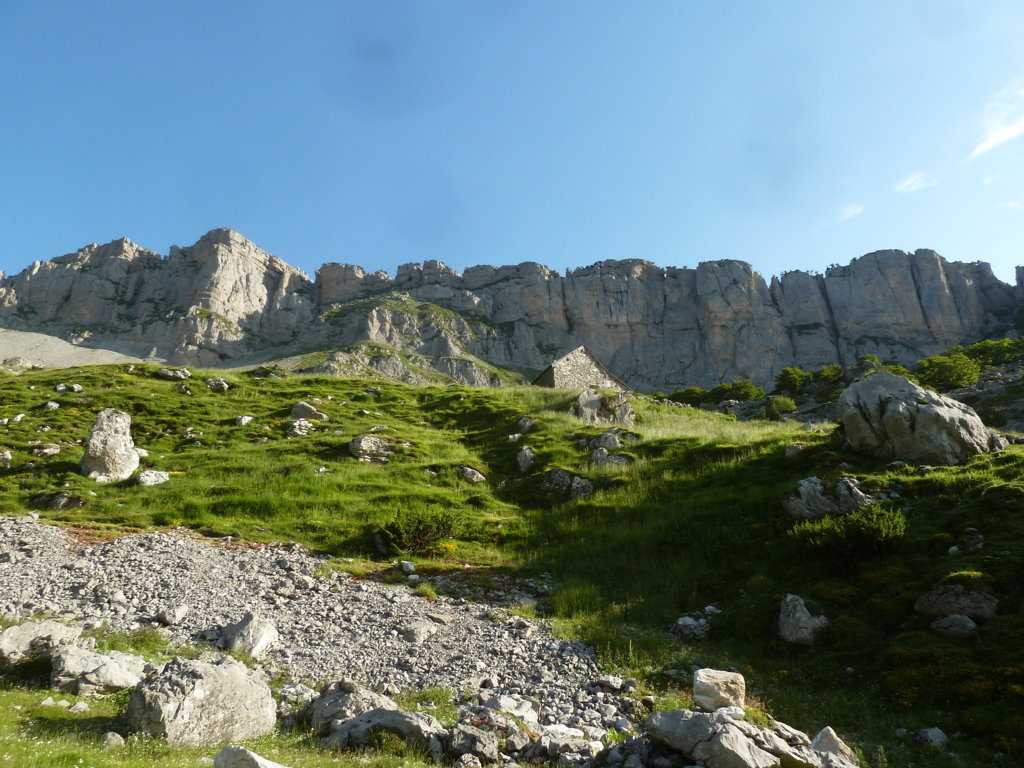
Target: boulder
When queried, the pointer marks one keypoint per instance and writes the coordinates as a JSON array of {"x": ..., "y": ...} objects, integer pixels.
[
  {"x": 891, "y": 418},
  {"x": 682, "y": 729},
  {"x": 932, "y": 737},
  {"x": 948, "y": 599},
  {"x": 470, "y": 474},
  {"x": 813, "y": 500},
  {"x": 955, "y": 625},
  {"x": 691, "y": 628},
  {"x": 5, "y": 459},
  {"x": 110, "y": 453},
  {"x": 828, "y": 741},
  {"x": 303, "y": 410},
  {"x": 152, "y": 477},
  {"x": 35, "y": 638},
  {"x": 243, "y": 421},
  {"x": 344, "y": 700},
  {"x": 562, "y": 481},
  {"x": 714, "y": 688},
  {"x": 416, "y": 729},
  {"x": 240, "y": 757},
  {"x": 172, "y": 614},
  {"x": 796, "y": 625},
  {"x": 217, "y": 385},
  {"x": 730, "y": 748},
  {"x": 299, "y": 428},
  {"x": 252, "y": 636},
  {"x": 418, "y": 631},
  {"x": 525, "y": 459},
  {"x": 88, "y": 673},
  {"x": 594, "y": 408},
  {"x": 45, "y": 450},
  {"x": 174, "y": 374},
  {"x": 470, "y": 740},
  {"x": 194, "y": 703},
  {"x": 371, "y": 448}
]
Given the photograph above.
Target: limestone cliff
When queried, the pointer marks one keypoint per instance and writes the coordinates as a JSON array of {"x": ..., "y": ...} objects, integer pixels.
[{"x": 225, "y": 301}]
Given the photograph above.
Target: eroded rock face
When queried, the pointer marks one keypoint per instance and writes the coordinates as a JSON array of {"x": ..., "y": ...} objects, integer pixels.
[
  {"x": 193, "y": 703},
  {"x": 110, "y": 454},
  {"x": 654, "y": 328},
  {"x": 891, "y": 418}
]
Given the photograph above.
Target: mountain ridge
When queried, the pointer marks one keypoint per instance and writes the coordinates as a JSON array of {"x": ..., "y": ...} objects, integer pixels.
[{"x": 224, "y": 301}]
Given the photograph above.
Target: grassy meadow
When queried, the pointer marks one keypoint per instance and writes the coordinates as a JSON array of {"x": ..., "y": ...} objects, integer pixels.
[{"x": 694, "y": 519}]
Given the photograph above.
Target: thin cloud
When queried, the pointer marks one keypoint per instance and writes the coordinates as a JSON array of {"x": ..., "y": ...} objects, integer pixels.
[
  {"x": 849, "y": 211},
  {"x": 1003, "y": 119},
  {"x": 915, "y": 182},
  {"x": 990, "y": 179}
]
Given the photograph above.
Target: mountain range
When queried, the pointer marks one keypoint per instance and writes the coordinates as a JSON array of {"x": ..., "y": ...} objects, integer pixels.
[{"x": 224, "y": 302}]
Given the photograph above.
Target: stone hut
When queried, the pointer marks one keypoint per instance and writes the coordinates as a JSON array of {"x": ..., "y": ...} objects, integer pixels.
[{"x": 578, "y": 370}]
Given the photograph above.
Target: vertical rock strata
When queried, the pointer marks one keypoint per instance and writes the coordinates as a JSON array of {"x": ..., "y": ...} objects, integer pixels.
[{"x": 223, "y": 299}]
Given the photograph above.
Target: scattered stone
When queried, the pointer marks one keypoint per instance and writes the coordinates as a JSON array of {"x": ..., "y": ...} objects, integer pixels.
[
  {"x": 955, "y": 625},
  {"x": 57, "y": 500},
  {"x": 243, "y": 421},
  {"x": 525, "y": 424},
  {"x": 5, "y": 459},
  {"x": 601, "y": 457},
  {"x": 932, "y": 737},
  {"x": 371, "y": 449},
  {"x": 796, "y": 625},
  {"x": 419, "y": 631},
  {"x": 470, "y": 740},
  {"x": 609, "y": 440},
  {"x": 253, "y": 636},
  {"x": 891, "y": 418},
  {"x": 714, "y": 688},
  {"x": 690, "y": 628},
  {"x": 172, "y": 615},
  {"x": 303, "y": 410},
  {"x": 174, "y": 374},
  {"x": 299, "y": 428},
  {"x": 217, "y": 385},
  {"x": 78, "y": 708},
  {"x": 46, "y": 450},
  {"x": 948, "y": 599},
  {"x": 240, "y": 757},
  {"x": 61, "y": 389},
  {"x": 112, "y": 740},
  {"x": 407, "y": 566},
  {"x": 470, "y": 474},
  {"x": 152, "y": 477},
  {"x": 51, "y": 405},
  {"x": 562, "y": 481},
  {"x": 525, "y": 459},
  {"x": 194, "y": 703},
  {"x": 110, "y": 453}
]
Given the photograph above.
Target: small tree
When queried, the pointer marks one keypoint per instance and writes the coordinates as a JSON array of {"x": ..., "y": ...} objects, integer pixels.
[
  {"x": 832, "y": 372},
  {"x": 990, "y": 353},
  {"x": 949, "y": 371},
  {"x": 791, "y": 380},
  {"x": 690, "y": 396}
]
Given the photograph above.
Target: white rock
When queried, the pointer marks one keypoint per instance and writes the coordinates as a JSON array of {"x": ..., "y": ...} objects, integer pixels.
[
  {"x": 110, "y": 453},
  {"x": 239, "y": 757},
  {"x": 152, "y": 477},
  {"x": 714, "y": 688},
  {"x": 796, "y": 625},
  {"x": 252, "y": 635}
]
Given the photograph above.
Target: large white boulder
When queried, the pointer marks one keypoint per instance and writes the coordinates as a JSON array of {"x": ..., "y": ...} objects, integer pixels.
[
  {"x": 891, "y": 418},
  {"x": 35, "y": 637},
  {"x": 714, "y": 688},
  {"x": 110, "y": 454},
  {"x": 88, "y": 673},
  {"x": 796, "y": 625},
  {"x": 193, "y": 703}
]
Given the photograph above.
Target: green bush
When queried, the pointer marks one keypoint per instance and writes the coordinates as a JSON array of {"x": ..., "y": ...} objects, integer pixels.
[
  {"x": 777, "y": 405},
  {"x": 791, "y": 380},
  {"x": 419, "y": 531},
  {"x": 990, "y": 353},
  {"x": 832, "y": 372},
  {"x": 949, "y": 371},
  {"x": 690, "y": 396},
  {"x": 871, "y": 529},
  {"x": 742, "y": 390}
]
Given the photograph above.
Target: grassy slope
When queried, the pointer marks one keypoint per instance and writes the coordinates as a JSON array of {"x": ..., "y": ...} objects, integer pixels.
[{"x": 695, "y": 519}]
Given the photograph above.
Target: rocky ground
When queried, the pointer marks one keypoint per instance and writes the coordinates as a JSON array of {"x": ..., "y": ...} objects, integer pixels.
[{"x": 330, "y": 627}]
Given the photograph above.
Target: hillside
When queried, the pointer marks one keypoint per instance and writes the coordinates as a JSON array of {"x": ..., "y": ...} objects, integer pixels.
[
  {"x": 694, "y": 519},
  {"x": 225, "y": 302}
]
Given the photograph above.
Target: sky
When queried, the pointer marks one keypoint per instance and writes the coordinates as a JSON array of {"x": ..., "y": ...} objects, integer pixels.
[{"x": 791, "y": 134}]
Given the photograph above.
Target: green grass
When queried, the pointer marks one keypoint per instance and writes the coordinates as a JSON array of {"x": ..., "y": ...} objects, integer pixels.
[{"x": 694, "y": 519}]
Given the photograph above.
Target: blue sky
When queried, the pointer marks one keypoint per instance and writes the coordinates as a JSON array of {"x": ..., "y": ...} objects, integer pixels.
[{"x": 788, "y": 134}]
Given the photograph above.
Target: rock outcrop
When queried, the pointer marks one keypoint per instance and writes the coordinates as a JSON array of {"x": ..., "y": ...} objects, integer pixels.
[
  {"x": 224, "y": 298},
  {"x": 891, "y": 418}
]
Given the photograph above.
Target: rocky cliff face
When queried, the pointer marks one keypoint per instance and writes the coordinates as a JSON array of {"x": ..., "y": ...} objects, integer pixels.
[{"x": 224, "y": 301}]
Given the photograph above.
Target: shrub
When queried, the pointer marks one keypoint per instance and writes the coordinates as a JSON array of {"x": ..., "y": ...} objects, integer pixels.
[
  {"x": 690, "y": 396},
  {"x": 949, "y": 371},
  {"x": 742, "y": 390},
  {"x": 791, "y": 380},
  {"x": 413, "y": 531},
  {"x": 776, "y": 405},
  {"x": 871, "y": 529},
  {"x": 990, "y": 353},
  {"x": 832, "y": 372}
]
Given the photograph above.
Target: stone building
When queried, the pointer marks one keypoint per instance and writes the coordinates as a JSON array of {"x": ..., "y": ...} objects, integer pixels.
[{"x": 579, "y": 369}]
